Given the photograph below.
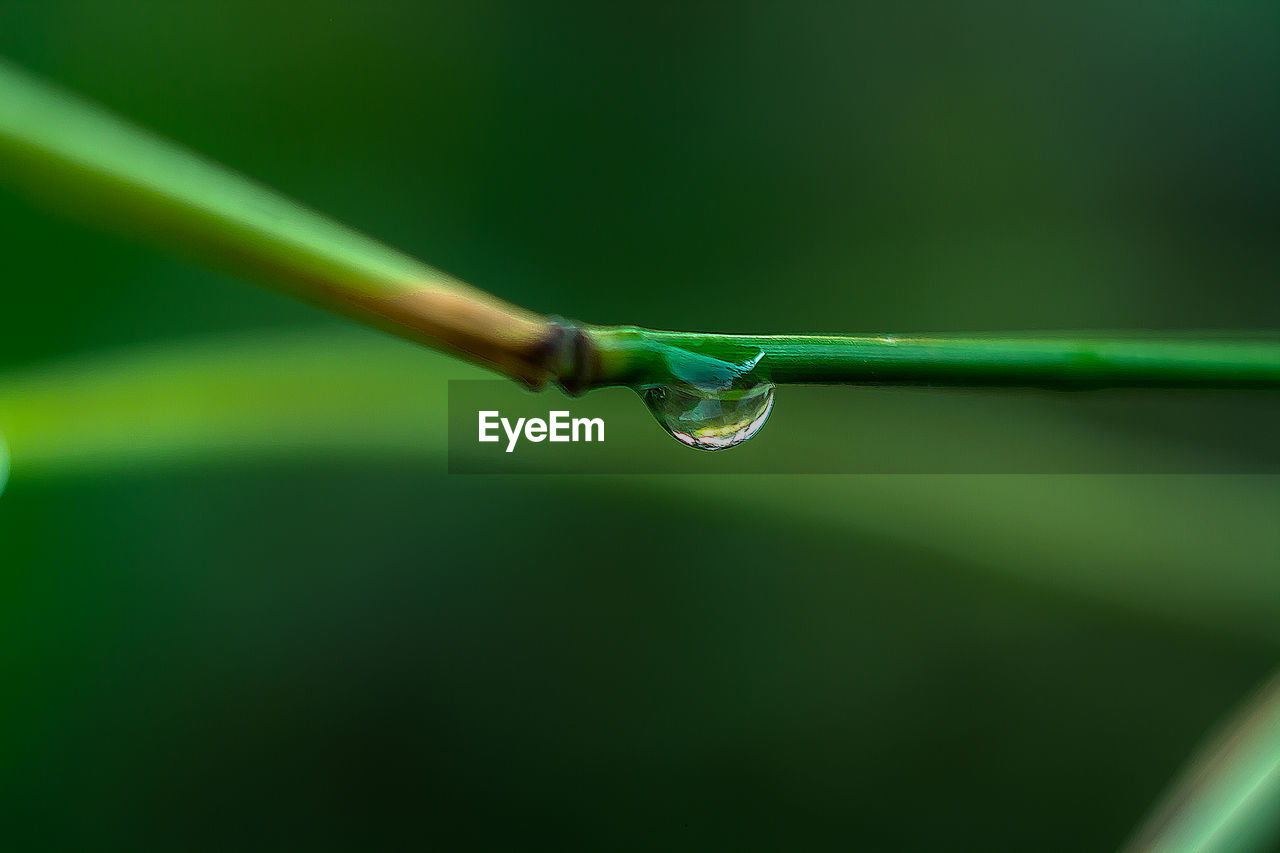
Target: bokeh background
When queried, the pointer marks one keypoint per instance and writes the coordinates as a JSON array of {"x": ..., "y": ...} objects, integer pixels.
[{"x": 320, "y": 647}]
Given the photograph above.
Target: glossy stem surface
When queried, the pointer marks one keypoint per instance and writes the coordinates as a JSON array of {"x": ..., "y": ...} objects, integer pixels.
[{"x": 626, "y": 355}]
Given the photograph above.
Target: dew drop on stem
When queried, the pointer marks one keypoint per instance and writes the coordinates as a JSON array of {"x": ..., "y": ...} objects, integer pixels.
[{"x": 708, "y": 402}]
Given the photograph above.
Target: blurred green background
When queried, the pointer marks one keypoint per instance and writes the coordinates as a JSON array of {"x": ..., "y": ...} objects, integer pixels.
[{"x": 323, "y": 647}]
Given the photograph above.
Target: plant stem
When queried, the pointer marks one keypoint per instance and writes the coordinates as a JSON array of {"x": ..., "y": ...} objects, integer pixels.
[
  {"x": 625, "y": 356},
  {"x": 71, "y": 152}
]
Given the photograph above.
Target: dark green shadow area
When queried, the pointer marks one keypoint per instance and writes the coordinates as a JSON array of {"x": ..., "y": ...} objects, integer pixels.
[{"x": 328, "y": 658}]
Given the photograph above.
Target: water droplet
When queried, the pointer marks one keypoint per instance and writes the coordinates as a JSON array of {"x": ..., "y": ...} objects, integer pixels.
[
  {"x": 708, "y": 402},
  {"x": 710, "y": 420}
]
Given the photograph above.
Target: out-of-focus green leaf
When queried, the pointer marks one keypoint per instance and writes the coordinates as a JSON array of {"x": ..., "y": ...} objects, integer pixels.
[
  {"x": 1228, "y": 798},
  {"x": 351, "y": 393},
  {"x": 1196, "y": 549}
]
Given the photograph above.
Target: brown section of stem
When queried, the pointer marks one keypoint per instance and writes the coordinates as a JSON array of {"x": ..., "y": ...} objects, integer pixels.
[{"x": 517, "y": 343}]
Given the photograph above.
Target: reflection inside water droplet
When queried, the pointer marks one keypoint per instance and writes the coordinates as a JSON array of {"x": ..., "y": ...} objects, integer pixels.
[
  {"x": 708, "y": 402},
  {"x": 710, "y": 420}
]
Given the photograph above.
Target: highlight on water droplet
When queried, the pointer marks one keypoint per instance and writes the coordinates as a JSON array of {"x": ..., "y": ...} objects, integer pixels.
[{"x": 707, "y": 402}]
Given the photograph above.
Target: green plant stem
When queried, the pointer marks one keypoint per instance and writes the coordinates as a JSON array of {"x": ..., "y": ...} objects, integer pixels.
[
  {"x": 626, "y": 356},
  {"x": 73, "y": 153}
]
